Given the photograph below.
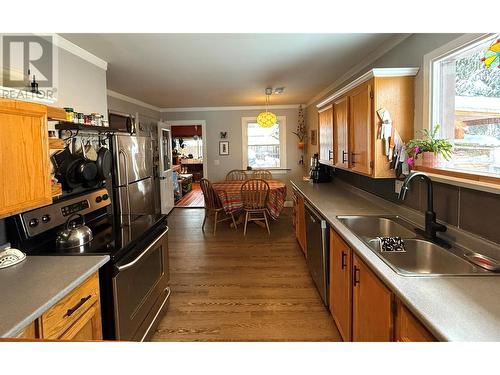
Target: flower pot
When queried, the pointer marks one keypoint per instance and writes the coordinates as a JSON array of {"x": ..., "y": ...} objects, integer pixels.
[
  {"x": 430, "y": 160},
  {"x": 301, "y": 145}
]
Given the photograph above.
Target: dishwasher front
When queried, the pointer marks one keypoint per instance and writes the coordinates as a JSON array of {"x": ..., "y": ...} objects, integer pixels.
[{"x": 318, "y": 241}]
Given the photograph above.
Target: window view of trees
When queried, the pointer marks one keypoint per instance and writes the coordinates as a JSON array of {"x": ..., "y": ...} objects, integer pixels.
[{"x": 471, "y": 117}]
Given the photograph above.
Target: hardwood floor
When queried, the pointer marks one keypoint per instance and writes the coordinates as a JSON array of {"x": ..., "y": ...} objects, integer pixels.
[
  {"x": 235, "y": 288},
  {"x": 193, "y": 199}
]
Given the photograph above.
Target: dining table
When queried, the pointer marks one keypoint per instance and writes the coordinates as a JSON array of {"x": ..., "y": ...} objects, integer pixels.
[{"x": 229, "y": 193}]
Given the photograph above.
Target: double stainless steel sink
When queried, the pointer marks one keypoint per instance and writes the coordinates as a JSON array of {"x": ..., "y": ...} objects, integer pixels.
[{"x": 421, "y": 256}]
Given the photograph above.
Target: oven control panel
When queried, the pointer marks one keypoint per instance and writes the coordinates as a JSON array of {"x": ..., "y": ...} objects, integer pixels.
[
  {"x": 75, "y": 207},
  {"x": 48, "y": 217}
]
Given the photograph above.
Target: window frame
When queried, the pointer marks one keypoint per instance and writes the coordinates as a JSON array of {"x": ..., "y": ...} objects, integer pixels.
[
  {"x": 244, "y": 131},
  {"x": 430, "y": 109}
]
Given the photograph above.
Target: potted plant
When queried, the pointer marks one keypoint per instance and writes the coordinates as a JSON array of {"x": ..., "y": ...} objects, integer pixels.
[
  {"x": 429, "y": 146},
  {"x": 301, "y": 129}
]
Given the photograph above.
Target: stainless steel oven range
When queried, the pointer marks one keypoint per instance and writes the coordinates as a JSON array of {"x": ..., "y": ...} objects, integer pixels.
[{"x": 134, "y": 284}]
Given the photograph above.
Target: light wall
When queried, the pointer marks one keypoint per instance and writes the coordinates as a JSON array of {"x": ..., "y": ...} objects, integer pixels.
[
  {"x": 82, "y": 85},
  {"x": 230, "y": 121},
  {"x": 120, "y": 105},
  {"x": 409, "y": 53}
]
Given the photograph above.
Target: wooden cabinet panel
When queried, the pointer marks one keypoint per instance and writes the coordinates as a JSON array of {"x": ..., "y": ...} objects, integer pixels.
[
  {"x": 396, "y": 94},
  {"x": 340, "y": 284},
  {"x": 56, "y": 320},
  {"x": 326, "y": 135},
  {"x": 301, "y": 223},
  {"x": 24, "y": 157},
  {"x": 340, "y": 132},
  {"x": 30, "y": 332},
  {"x": 371, "y": 311},
  {"x": 408, "y": 328},
  {"x": 87, "y": 328},
  {"x": 76, "y": 317},
  {"x": 360, "y": 129}
]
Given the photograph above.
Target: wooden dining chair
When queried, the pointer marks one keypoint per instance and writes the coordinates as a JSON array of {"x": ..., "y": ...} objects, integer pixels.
[
  {"x": 254, "y": 196},
  {"x": 213, "y": 205},
  {"x": 236, "y": 175},
  {"x": 262, "y": 174}
]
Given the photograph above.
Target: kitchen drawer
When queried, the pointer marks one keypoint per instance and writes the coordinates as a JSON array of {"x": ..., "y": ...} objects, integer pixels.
[{"x": 68, "y": 310}]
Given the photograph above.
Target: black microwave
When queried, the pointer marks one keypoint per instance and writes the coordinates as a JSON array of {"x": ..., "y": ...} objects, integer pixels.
[{"x": 121, "y": 122}]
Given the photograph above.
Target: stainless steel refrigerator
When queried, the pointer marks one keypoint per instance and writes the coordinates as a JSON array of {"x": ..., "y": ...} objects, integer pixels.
[{"x": 133, "y": 181}]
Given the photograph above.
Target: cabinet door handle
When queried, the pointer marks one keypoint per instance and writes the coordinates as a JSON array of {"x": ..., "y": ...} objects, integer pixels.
[
  {"x": 344, "y": 159},
  {"x": 330, "y": 154},
  {"x": 78, "y": 305},
  {"x": 355, "y": 276},
  {"x": 344, "y": 257}
]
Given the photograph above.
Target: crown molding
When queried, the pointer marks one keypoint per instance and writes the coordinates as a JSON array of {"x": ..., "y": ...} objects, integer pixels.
[
  {"x": 231, "y": 108},
  {"x": 80, "y": 52},
  {"x": 126, "y": 98},
  {"x": 369, "y": 59},
  {"x": 377, "y": 72}
]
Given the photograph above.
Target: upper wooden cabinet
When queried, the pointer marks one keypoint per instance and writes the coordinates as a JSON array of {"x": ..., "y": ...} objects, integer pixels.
[
  {"x": 326, "y": 151},
  {"x": 354, "y": 110},
  {"x": 340, "y": 132},
  {"x": 360, "y": 129},
  {"x": 24, "y": 157}
]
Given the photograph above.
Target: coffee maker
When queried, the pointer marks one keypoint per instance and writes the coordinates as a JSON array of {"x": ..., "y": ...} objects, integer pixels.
[{"x": 318, "y": 172}]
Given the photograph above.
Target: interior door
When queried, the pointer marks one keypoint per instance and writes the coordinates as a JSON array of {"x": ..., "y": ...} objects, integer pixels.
[
  {"x": 360, "y": 155},
  {"x": 165, "y": 172}
]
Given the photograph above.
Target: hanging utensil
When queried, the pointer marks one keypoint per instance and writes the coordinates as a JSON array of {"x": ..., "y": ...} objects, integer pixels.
[
  {"x": 104, "y": 162},
  {"x": 90, "y": 152}
]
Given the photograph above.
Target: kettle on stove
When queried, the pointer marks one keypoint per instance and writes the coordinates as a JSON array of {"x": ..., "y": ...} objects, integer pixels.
[{"x": 74, "y": 235}]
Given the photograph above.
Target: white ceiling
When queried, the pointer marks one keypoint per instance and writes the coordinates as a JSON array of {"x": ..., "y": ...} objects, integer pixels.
[{"x": 202, "y": 70}]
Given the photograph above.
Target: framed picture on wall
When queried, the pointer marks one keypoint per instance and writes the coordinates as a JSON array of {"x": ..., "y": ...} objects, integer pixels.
[
  {"x": 223, "y": 148},
  {"x": 314, "y": 137}
]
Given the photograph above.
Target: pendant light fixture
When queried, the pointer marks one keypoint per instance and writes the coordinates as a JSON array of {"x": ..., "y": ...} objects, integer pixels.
[{"x": 267, "y": 119}]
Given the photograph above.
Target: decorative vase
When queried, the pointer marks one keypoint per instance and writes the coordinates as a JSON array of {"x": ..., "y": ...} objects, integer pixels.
[{"x": 301, "y": 145}]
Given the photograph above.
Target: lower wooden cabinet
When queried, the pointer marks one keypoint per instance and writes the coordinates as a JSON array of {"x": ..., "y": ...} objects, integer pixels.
[
  {"x": 76, "y": 317},
  {"x": 31, "y": 332},
  {"x": 299, "y": 220},
  {"x": 371, "y": 305},
  {"x": 340, "y": 284},
  {"x": 87, "y": 328},
  {"x": 363, "y": 308},
  {"x": 408, "y": 328}
]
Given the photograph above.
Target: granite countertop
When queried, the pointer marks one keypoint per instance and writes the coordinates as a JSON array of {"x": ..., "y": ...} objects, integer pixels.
[
  {"x": 453, "y": 308},
  {"x": 30, "y": 288}
]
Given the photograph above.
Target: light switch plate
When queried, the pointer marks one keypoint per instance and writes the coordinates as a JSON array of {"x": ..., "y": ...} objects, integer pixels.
[
  {"x": 398, "y": 184},
  {"x": 216, "y": 162}
]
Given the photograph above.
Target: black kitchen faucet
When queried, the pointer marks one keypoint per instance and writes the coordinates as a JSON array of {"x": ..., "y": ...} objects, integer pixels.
[{"x": 431, "y": 226}]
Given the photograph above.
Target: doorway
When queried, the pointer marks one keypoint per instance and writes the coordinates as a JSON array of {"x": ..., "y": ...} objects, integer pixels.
[{"x": 189, "y": 161}]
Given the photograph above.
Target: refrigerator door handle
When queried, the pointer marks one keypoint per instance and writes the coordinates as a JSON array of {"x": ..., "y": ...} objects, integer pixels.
[{"x": 121, "y": 151}]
